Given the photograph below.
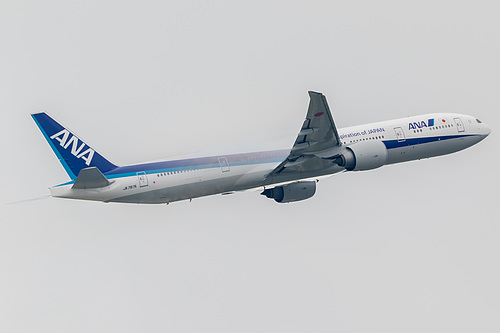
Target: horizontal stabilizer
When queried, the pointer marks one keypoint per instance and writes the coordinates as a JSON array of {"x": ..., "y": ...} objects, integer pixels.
[{"x": 90, "y": 178}]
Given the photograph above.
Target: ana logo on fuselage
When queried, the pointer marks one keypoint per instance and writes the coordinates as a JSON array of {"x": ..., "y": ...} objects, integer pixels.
[
  {"x": 420, "y": 124},
  {"x": 63, "y": 136}
]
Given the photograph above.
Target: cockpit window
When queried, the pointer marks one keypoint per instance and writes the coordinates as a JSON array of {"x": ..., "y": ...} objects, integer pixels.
[{"x": 479, "y": 121}]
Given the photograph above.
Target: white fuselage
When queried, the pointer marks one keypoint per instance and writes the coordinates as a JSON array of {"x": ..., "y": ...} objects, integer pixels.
[{"x": 406, "y": 139}]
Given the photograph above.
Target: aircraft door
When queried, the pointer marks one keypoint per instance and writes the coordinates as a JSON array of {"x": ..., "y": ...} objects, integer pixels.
[
  {"x": 400, "y": 135},
  {"x": 460, "y": 125},
  {"x": 224, "y": 164},
  {"x": 143, "y": 179}
]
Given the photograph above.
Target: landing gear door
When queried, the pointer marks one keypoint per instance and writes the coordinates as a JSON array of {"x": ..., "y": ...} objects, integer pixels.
[
  {"x": 400, "y": 135},
  {"x": 143, "y": 179},
  {"x": 460, "y": 125}
]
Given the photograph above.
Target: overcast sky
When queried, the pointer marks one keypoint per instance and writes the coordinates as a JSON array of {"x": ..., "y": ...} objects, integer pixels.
[{"x": 412, "y": 247}]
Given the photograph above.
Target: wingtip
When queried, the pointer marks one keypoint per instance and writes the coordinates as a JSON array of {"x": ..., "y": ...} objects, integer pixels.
[{"x": 310, "y": 92}]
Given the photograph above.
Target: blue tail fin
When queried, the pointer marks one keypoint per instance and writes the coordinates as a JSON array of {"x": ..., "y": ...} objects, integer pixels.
[{"x": 73, "y": 153}]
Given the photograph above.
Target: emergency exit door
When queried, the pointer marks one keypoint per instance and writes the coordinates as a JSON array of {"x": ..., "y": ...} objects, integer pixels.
[
  {"x": 400, "y": 135},
  {"x": 224, "y": 164},
  {"x": 460, "y": 125},
  {"x": 143, "y": 179}
]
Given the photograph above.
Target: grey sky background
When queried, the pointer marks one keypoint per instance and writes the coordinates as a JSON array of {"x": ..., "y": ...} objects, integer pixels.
[{"x": 412, "y": 247}]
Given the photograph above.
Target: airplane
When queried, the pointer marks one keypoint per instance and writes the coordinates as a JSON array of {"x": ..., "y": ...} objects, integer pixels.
[{"x": 287, "y": 175}]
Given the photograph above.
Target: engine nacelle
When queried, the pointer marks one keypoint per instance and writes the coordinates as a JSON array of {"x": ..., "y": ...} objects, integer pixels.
[
  {"x": 291, "y": 192},
  {"x": 363, "y": 156}
]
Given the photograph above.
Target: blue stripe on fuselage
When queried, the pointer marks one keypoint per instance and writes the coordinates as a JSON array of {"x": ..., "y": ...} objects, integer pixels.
[
  {"x": 196, "y": 163},
  {"x": 202, "y": 162},
  {"x": 242, "y": 159},
  {"x": 391, "y": 144}
]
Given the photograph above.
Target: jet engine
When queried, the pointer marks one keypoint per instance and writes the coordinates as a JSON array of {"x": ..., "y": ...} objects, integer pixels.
[
  {"x": 291, "y": 192},
  {"x": 361, "y": 156}
]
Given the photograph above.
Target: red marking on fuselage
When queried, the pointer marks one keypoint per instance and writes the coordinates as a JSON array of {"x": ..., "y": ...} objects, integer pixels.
[{"x": 319, "y": 114}]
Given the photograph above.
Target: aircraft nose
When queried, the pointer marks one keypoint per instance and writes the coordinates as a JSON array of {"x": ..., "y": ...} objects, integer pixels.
[
  {"x": 486, "y": 130},
  {"x": 483, "y": 129}
]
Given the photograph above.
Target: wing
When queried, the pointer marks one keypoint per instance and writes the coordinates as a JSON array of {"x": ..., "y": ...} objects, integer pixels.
[{"x": 317, "y": 142}]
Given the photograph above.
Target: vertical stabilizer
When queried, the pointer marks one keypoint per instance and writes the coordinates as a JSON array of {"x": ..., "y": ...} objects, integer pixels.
[{"x": 73, "y": 153}]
